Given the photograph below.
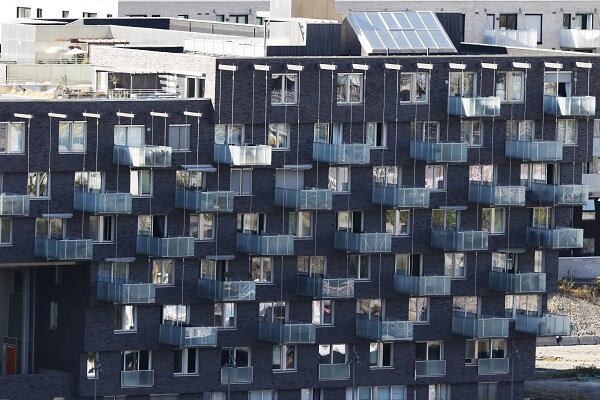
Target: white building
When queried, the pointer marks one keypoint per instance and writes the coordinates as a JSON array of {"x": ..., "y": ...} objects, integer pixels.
[{"x": 12, "y": 9}]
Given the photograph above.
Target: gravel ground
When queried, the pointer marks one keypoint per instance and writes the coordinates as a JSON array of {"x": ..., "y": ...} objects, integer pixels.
[
  {"x": 585, "y": 317},
  {"x": 567, "y": 357}
]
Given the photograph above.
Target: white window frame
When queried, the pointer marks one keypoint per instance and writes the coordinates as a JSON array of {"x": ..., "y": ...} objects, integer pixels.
[
  {"x": 68, "y": 128},
  {"x": 123, "y": 310},
  {"x": 163, "y": 271},
  {"x": 283, "y": 99},
  {"x": 394, "y": 222},
  {"x": 467, "y": 129},
  {"x": 522, "y": 130},
  {"x": 196, "y": 220},
  {"x": 482, "y": 173},
  {"x": 175, "y": 314},
  {"x": 375, "y": 131},
  {"x": 492, "y": 344},
  {"x": 344, "y": 98},
  {"x": 301, "y": 222},
  {"x": 439, "y": 391},
  {"x": 99, "y": 224},
  {"x": 282, "y": 349},
  {"x": 136, "y": 178},
  {"x": 224, "y": 134},
  {"x": 472, "y": 76},
  {"x": 228, "y": 315},
  {"x": 318, "y": 312},
  {"x": 185, "y": 353},
  {"x": 11, "y": 132},
  {"x": 35, "y": 193},
  {"x": 262, "y": 395},
  {"x": 413, "y": 87},
  {"x": 138, "y": 357},
  {"x": 433, "y": 179},
  {"x": 563, "y": 125},
  {"x": 91, "y": 365},
  {"x": 277, "y": 131},
  {"x": 509, "y": 86},
  {"x": 337, "y": 179},
  {"x": 451, "y": 265},
  {"x": 387, "y": 176},
  {"x": 533, "y": 172},
  {"x": 380, "y": 349},
  {"x": 257, "y": 264},
  {"x": 180, "y": 131},
  {"x": 5, "y": 239},
  {"x": 244, "y": 174},
  {"x": 493, "y": 218},
  {"x": 357, "y": 275},
  {"x": 306, "y": 265},
  {"x": 418, "y": 310}
]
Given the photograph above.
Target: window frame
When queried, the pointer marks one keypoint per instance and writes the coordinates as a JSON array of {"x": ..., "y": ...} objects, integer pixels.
[
  {"x": 39, "y": 175},
  {"x": 562, "y": 134},
  {"x": 198, "y": 217},
  {"x": 509, "y": 86},
  {"x": 283, "y": 89},
  {"x": 381, "y": 356},
  {"x": 226, "y": 322},
  {"x": 122, "y": 310},
  {"x": 357, "y": 275},
  {"x": 69, "y": 126},
  {"x": 467, "y": 129},
  {"x": 4, "y": 242},
  {"x": 243, "y": 175},
  {"x": 377, "y": 130},
  {"x": 416, "y": 316},
  {"x": 433, "y": 170},
  {"x": 282, "y": 349},
  {"x": 186, "y": 135},
  {"x": 346, "y": 88},
  {"x": 395, "y": 227},
  {"x": 319, "y": 306},
  {"x": 185, "y": 354},
  {"x": 493, "y": 219},
  {"x": 137, "y": 176},
  {"x": 276, "y": 131},
  {"x": 414, "y": 86},
  {"x": 160, "y": 269},
  {"x": 10, "y": 131},
  {"x": 100, "y": 222},
  {"x": 260, "y": 262},
  {"x": 300, "y": 219},
  {"x": 335, "y": 183}
]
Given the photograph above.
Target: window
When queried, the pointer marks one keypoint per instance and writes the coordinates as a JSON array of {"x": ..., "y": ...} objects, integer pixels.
[
  {"x": 349, "y": 88},
  {"x": 140, "y": 182},
  {"x": 526, "y": 304},
  {"x": 429, "y": 351},
  {"x": 179, "y": 137},
  {"x": 471, "y": 132},
  {"x": 220, "y": 18},
  {"x": 465, "y": 306},
  {"x": 558, "y": 83},
  {"x": 444, "y": 219},
  {"x": 183, "y": 16},
  {"x": 53, "y": 315},
  {"x": 487, "y": 391},
  {"x": 541, "y": 217},
  {"x": 191, "y": 180},
  {"x": 262, "y": 395},
  {"x": 229, "y": 134},
  {"x": 241, "y": 181},
  {"x": 101, "y": 228},
  {"x": 414, "y": 87},
  {"x": 578, "y": 21},
  {"x": 484, "y": 349},
  {"x": 312, "y": 265},
  {"x": 322, "y": 312},
  {"x": 492, "y": 220},
  {"x": 533, "y": 173},
  {"x": 360, "y": 266},
  {"x": 185, "y": 361},
  {"x": 333, "y": 354},
  {"x": 462, "y": 84},
  {"x": 520, "y": 130},
  {"x": 397, "y": 222},
  {"x": 38, "y": 184},
  {"x": 72, "y": 136},
  {"x": 89, "y": 181},
  {"x": 262, "y": 269},
  {"x": 50, "y": 228},
  {"x": 23, "y": 12},
  {"x": 300, "y": 224},
  {"x": 455, "y": 265},
  {"x": 372, "y": 308},
  {"x": 425, "y": 131},
  {"x": 386, "y": 176},
  {"x": 566, "y": 131},
  {"x": 534, "y": 21},
  {"x": 510, "y": 86},
  {"x": 225, "y": 315},
  {"x": 418, "y": 309},
  {"x": 12, "y": 137},
  {"x": 65, "y": 14},
  {"x": 284, "y": 358},
  {"x": 279, "y": 136},
  {"x": 339, "y": 179},
  {"x": 175, "y": 313},
  {"x": 408, "y": 264},
  {"x": 91, "y": 365},
  {"x": 539, "y": 261},
  {"x": 137, "y": 360},
  {"x": 376, "y": 134},
  {"x": 235, "y": 357},
  {"x": 152, "y": 225},
  {"x": 89, "y": 14},
  {"x": 435, "y": 177},
  {"x": 440, "y": 391},
  {"x": 284, "y": 89},
  {"x": 125, "y": 318},
  {"x": 202, "y": 226},
  {"x": 113, "y": 272},
  {"x": 163, "y": 271},
  {"x": 5, "y": 231},
  {"x": 381, "y": 355},
  {"x": 239, "y": 19},
  {"x": 215, "y": 395},
  {"x": 508, "y": 21},
  {"x": 481, "y": 173},
  {"x": 251, "y": 222}
]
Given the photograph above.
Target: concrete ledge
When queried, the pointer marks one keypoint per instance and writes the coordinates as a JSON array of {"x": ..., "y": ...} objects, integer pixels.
[{"x": 569, "y": 341}]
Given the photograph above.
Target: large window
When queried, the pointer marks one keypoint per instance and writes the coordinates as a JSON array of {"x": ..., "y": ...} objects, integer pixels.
[
  {"x": 23, "y": 12},
  {"x": 492, "y": 220},
  {"x": 533, "y": 173},
  {"x": 360, "y": 266},
  {"x": 541, "y": 217},
  {"x": 465, "y": 306},
  {"x": 462, "y": 84},
  {"x": 350, "y": 88},
  {"x": 507, "y": 21},
  {"x": 376, "y": 134},
  {"x": 125, "y": 318},
  {"x": 185, "y": 361},
  {"x": 262, "y": 395},
  {"x": 375, "y": 393},
  {"x": 322, "y": 312},
  {"x": 333, "y": 354},
  {"x": 262, "y": 269},
  {"x": 225, "y": 315},
  {"x": 435, "y": 177},
  {"x": 566, "y": 131},
  {"x": 418, "y": 309},
  {"x": 179, "y": 137},
  {"x": 229, "y": 134},
  {"x": 284, "y": 89},
  {"x": 440, "y": 391},
  {"x": 284, "y": 358},
  {"x": 312, "y": 265},
  {"x": 414, "y": 87},
  {"x": 381, "y": 355},
  {"x": 425, "y": 131},
  {"x": 339, "y": 179},
  {"x": 455, "y": 265},
  {"x": 140, "y": 182},
  {"x": 471, "y": 132},
  {"x": 102, "y": 228},
  {"x": 137, "y": 360},
  {"x": 386, "y": 176},
  {"x": 300, "y": 224},
  {"x": 510, "y": 86},
  {"x": 397, "y": 222},
  {"x": 484, "y": 349},
  {"x": 520, "y": 130},
  {"x": 72, "y": 136},
  {"x": 202, "y": 226},
  {"x": 175, "y": 313},
  {"x": 279, "y": 136},
  {"x": 429, "y": 351},
  {"x": 481, "y": 173},
  {"x": 444, "y": 219},
  {"x": 38, "y": 184},
  {"x": 12, "y": 137},
  {"x": 163, "y": 271},
  {"x": 241, "y": 181},
  {"x": 50, "y": 228},
  {"x": 89, "y": 181}
]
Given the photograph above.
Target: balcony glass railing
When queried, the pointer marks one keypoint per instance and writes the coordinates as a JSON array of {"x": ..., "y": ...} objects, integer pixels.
[
  {"x": 430, "y": 368},
  {"x": 400, "y": 197},
  {"x": 592, "y": 181},
  {"x": 484, "y": 327},
  {"x": 555, "y": 239},
  {"x": 265, "y": 244},
  {"x": 548, "y": 325},
  {"x": 303, "y": 199},
  {"x": 65, "y": 249},
  {"x": 560, "y": 194},
  {"x": 334, "y": 371},
  {"x": 532, "y": 282},
  {"x": 580, "y": 38},
  {"x": 203, "y": 201},
  {"x": 102, "y": 203},
  {"x": 137, "y": 378},
  {"x": 246, "y": 154},
  {"x": 474, "y": 106},
  {"x": 286, "y": 332},
  {"x": 346, "y": 153},
  {"x": 366, "y": 242},
  {"x": 438, "y": 152},
  {"x": 187, "y": 336},
  {"x": 165, "y": 246},
  {"x": 539, "y": 150},
  {"x": 452, "y": 240},
  {"x": 236, "y": 375},
  {"x": 226, "y": 291},
  {"x": 14, "y": 204},
  {"x": 126, "y": 293},
  {"x": 321, "y": 288},
  {"x": 145, "y": 156},
  {"x": 573, "y": 106},
  {"x": 494, "y": 195},
  {"x": 510, "y": 37},
  {"x": 383, "y": 330},
  {"x": 492, "y": 366},
  {"x": 422, "y": 285}
]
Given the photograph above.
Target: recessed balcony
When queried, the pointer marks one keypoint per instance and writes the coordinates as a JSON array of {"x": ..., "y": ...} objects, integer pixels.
[
  {"x": 422, "y": 285},
  {"x": 481, "y": 328},
  {"x": 137, "y": 378},
  {"x": 102, "y": 203},
  {"x": 126, "y": 293},
  {"x": 286, "y": 332},
  {"x": 346, "y": 153},
  {"x": 187, "y": 336},
  {"x": 511, "y": 37},
  {"x": 170, "y": 247},
  {"x": 539, "y": 150},
  {"x": 531, "y": 282},
  {"x": 145, "y": 156},
  {"x": 492, "y": 366},
  {"x": 203, "y": 201},
  {"x": 265, "y": 244},
  {"x": 383, "y": 330},
  {"x": 494, "y": 195},
  {"x": 580, "y": 38},
  {"x": 328, "y": 372},
  {"x": 548, "y": 325},
  {"x": 438, "y": 151},
  {"x": 304, "y": 199},
  {"x": 226, "y": 290},
  {"x": 236, "y": 375},
  {"x": 14, "y": 205},
  {"x": 371, "y": 242},
  {"x": 430, "y": 368},
  {"x": 555, "y": 239},
  {"x": 400, "y": 197},
  {"x": 560, "y": 195},
  {"x": 242, "y": 155},
  {"x": 469, "y": 107},
  {"x": 323, "y": 288},
  {"x": 572, "y": 106},
  {"x": 453, "y": 240},
  {"x": 64, "y": 249}
]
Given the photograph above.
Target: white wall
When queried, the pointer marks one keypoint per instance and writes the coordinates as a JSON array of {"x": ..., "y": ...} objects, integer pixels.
[{"x": 54, "y": 8}]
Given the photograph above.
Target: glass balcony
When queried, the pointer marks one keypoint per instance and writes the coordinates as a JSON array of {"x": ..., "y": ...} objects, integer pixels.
[
  {"x": 592, "y": 181},
  {"x": 303, "y": 199},
  {"x": 383, "y": 330},
  {"x": 573, "y": 106},
  {"x": 203, "y": 201},
  {"x": 555, "y": 239},
  {"x": 14, "y": 205},
  {"x": 287, "y": 333},
  {"x": 247, "y": 154},
  {"x": 447, "y": 239},
  {"x": 372, "y": 242},
  {"x": 532, "y": 282},
  {"x": 186, "y": 336},
  {"x": 126, "y": 293},
  {"x": 539, "y": 150},
  {"x": 400, "y": 197},
  {"x": 137, "y": 378},
  {"x": 102, "y": 203},
  {"x": 347, "y": 153},
  {"x": 510, "y": 37},
  {"x": 165, "y": 247},
  {"x": 474, "y": 106},
  {"x": 430, "y": 368},
  {"x": 320, "y": 288},
  {"x": 438, "y": 152},
  {"x": 265, "y": 244},
  {"x": 485, "y": 327},
  {"x": 145, "y": 156},
  {"x": 226, "y": 291},
  {"x": 236, "y": 375},
  {"x": 422, "y": 285},
  {"x": 548, "y": 325},
  {"x": 571, "y": 195},
  {"x": 494, "y": 195},
  {"x": 580, "y": 38},
  {"x": 334, "y": 371},
  {"x": 492, "y": 366},
  {"x": 65, "y": 249}
]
